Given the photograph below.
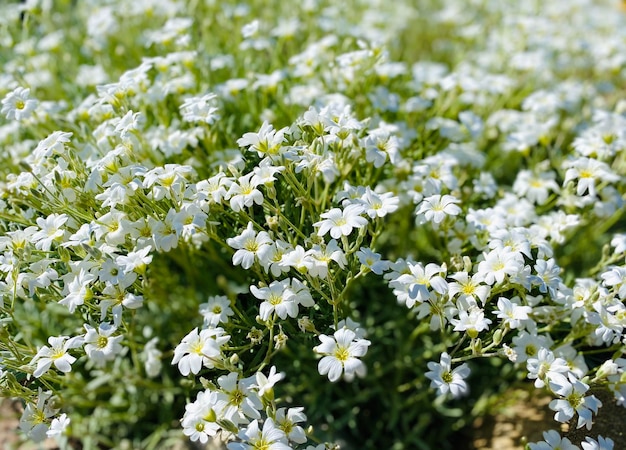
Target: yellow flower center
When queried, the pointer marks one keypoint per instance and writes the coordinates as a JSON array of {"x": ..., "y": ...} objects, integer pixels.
[
  {"x": 251, "y": 245},
  {"x": 342, "y": 353},
  {"x": 275, "y": 299},
  {"x": 196, "y": 347},
  {"x": 102, "y": 341}
]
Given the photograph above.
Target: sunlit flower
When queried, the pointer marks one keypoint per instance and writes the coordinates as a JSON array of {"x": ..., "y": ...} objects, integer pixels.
[
  {"x": 18, "y": 105},
  {"x": 445, "y": 379},
  {"x": 340, "y": 355}
]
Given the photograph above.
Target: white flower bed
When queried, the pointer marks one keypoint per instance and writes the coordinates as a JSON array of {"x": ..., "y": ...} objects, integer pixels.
[{"x": 213, "y": 212}]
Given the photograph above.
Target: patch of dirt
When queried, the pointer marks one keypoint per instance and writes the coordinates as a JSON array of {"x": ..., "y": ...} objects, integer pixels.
[
  {"x": 521, "y": 418},
  {"x": 525, "y": 416}
]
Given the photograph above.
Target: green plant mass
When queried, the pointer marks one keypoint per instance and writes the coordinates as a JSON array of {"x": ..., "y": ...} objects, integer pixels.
[{"x": 310, "y": 224}]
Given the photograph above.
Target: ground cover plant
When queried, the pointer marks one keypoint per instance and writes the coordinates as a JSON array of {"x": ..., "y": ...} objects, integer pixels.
[{"x": 303, "y": 224}]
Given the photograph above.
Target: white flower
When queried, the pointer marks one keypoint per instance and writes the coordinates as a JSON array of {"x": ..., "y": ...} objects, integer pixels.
[
  {"x": 547, "y": 368},
  {"x": 547, "y": 277},
  {"x": 151, "y": 356},
  {"x": 200, "y": 109},
  {"x": 199, "y": 349},
  {"x": 340, "y": 355},
  {"x": 445, "y": 380},
  {"x": 277, "y": 298},
  {"x": 552, "y": 441},
  {"x": 372, "y": 260},
  {"x": 573, "y": 401},
  {"x": 265, "y": 384},
  {"x": 266, "y": 142},
  {"x": 216, "y": 310},
  {"x": 379, "y": 145},
  {"x": 619, "y": 242},
  {"x": 201, "y": 416},
  {"x": 378, "y": 205},
  {"x": 341, "y": 222},
  {"x": 33, "y": 419},
  {"x": 527, "y": 345},
  {"x": 322, "y": 255},
  {"x": 129, "y": 123},
  {"x": 50, "y": 231},
  {"x": 296, "y": 258},
  {"x": 244, "y": 192},
  {"x": 469, "y": 288},
  {"x": 114, "y": 226},
  {"x": 242, "y": 400},
  {"x": 601, "y": 444},
  {"x": 136, "y": 259},
  {"x": 58, "y": 426},
  {"x": 250, "y": 29},
  {"x": 100, "y": 346},
  {"x": 436, "y": 207},
  {"x": 248, "y": 243},
  {"x": 111, "y": 273},
  {"x": 359, "y": 331},
  {"x": 269, "y": 438},
  {"x": 511, "y": 313},
  {"x": 615, "y": 277},
  {"x": 264, "y": 173},
  {"x": 56, "y": 354},
  {"x": 270, "y": 257},
  {"x": 18, "y": 105},
  {"x": 535, "y": 187},
  {"x": 498, "y": 263},
  {"x": 214, "y": 189},
  {"x": 472, "y": 321},
  {"x": 53, "y": 144},
  {"x": 287, "y": 423},
  {"x": 588, "y": 171},
  {"x": 117, "y": 298},
  {"x": 420, "y": 281}
]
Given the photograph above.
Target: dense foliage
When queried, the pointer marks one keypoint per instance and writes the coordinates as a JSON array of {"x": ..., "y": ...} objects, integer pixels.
[{"x": 301, "y": 224}]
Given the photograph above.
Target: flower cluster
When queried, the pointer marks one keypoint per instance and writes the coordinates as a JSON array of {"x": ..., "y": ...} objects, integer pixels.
[{"x": 240, "y": 216}]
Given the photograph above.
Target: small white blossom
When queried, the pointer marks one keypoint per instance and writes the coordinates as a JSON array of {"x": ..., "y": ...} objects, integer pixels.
[
  {"x": 216, "y": 310},
  {"x": 268, "y": 438},
  {"x": 56, "y": 354},
  {"x": 340, "y": 355},
  {"x": 573, "y": 401},
  {"x": 341, "y": 222},
  {"x": 512, "y": 313},
  {"x": 100, "y": 345},
  {"x": 435, "y": 208},
  {"x": 18, "y": 105},
  {"x": 445, "y": 379},
  {"x": 248, "y": 244},
  {"x": 552, "y": 440},
  {"x": 199, "y": 349}
]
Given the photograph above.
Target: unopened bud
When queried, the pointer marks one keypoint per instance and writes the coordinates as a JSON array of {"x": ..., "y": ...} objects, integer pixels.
[
  {"x": 228, "y": 425},
  {"x": 477, "y": 346},
  {"x": 306, "y": 325},
  {"x": 497, "y": 336},
  {"x": 272, "y": 222},
  {"x": 467, "y": 264}
]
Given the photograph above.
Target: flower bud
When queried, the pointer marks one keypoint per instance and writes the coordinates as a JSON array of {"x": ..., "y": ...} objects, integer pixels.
[
  {"x": 477, "y": 346},
  {"x": 497, "y": 336}
]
